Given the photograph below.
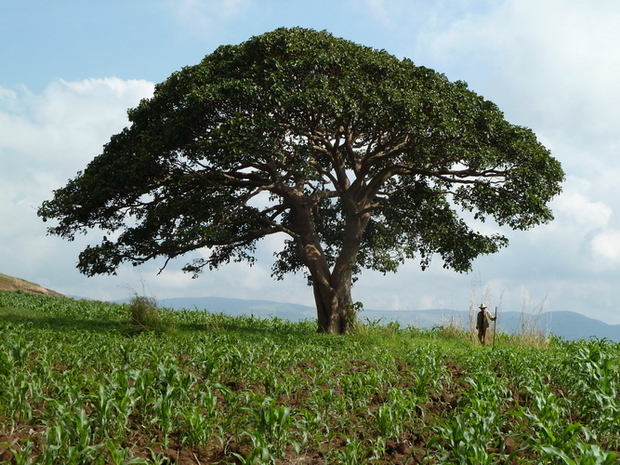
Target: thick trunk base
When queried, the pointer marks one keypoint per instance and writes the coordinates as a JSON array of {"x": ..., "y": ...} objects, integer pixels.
[{"x": 336, "y": 314}]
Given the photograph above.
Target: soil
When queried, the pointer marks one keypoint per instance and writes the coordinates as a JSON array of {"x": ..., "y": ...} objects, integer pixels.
[
  {"x": 9, "y": 283},
  {"x": 408, "y": 449}
]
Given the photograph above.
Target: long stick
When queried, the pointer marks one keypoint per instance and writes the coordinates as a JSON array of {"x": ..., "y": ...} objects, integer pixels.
[{"x": 494, "y": 326}]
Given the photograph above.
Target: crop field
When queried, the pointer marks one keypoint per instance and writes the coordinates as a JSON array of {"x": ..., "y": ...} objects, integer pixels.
[{"x": 79, "y": 384}]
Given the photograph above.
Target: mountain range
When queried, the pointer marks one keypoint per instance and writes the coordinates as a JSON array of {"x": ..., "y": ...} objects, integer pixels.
[{"x": 567, "y": 325}]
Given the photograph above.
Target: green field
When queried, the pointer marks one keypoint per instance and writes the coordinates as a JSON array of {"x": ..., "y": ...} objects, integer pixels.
[{"x": 80, "y": 384}]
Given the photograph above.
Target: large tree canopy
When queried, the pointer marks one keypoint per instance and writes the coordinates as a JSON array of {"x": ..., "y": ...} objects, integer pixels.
[{"x": 362, "y": 160}]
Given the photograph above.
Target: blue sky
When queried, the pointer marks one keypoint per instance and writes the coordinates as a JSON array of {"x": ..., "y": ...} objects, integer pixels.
[{"x": 71, "y": 69}]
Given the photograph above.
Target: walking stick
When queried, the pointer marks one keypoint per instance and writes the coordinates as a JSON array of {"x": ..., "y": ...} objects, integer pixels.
[{"x": 495, "y": 326}]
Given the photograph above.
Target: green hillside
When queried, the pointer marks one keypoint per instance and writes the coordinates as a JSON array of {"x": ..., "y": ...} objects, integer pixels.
[{"x": 99, "y": 383}]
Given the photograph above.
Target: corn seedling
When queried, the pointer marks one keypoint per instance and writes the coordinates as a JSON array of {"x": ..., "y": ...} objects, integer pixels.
[{"x": 77, "y": 387}]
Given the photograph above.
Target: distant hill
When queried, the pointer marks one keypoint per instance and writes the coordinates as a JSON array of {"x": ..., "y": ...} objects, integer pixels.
[
  {"x": 238, "y": 307},
  {"x": 568, "y": 325},
  {"x": 9, "y": 283}
]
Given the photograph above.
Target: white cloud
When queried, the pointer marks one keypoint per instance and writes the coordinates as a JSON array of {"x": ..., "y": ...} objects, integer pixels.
[
  {"x": 558, "y": 58},
  {"x": 44, "y": 140},
  {"x": 606, "y": 246},
  {"x": 209, "y": 17},
  {"x": 70, "y": 121},
  {"x": 578, "y": 209},
  {"x": 380, "y": 12}
]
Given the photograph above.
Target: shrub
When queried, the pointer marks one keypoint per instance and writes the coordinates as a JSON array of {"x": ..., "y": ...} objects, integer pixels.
[{"x": 145, "y": 315}]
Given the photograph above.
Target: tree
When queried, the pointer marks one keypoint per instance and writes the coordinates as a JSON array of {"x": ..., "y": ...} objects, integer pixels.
[{"x": 360, "y": 159}]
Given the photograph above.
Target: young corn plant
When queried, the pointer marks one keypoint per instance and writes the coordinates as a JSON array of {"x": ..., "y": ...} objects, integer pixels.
[
  {"x": 312, "y": 425},
  {"x": 274, "y": 422},
  {"x": 200, "y": 420},
  {"x": 469, "y": 436},
  {"x": 16, "y": 393},
  {"x": 597, "y": 388},
  {"x": 103, "y": 410},
  {"x": 355, "y": 453},
  {"x": 69, "y": 440},
  {"x": 261, "y": 454},
  {"x": 428, "y": 373},
  {"x": 83, "y": 391},
  {"x": 120, "y": 455},
  {"x": 198, "y": 427},
  {"x": 552, "y": 431},
  {"x": 588, "y": 454},
  {"x": 21, "y": 456},
  {"x": 389, "y": 420},
  {"x": 124, "y": 400}
]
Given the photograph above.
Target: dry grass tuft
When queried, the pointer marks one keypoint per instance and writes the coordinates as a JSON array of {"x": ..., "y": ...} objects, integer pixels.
[{"x": 145, "y": 315}]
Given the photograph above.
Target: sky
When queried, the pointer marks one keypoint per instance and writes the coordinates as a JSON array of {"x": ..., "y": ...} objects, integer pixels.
[{"x": 70, "y": 69}]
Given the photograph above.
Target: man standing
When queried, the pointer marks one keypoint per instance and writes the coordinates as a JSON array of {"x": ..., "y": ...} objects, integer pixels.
[{"x": 482, "y": 323}]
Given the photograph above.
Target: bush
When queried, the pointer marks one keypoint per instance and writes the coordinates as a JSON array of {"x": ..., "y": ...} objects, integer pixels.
[{"x": 145, "y": 315}]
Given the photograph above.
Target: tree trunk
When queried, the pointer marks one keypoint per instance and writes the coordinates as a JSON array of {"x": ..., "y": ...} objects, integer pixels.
[
  {"x": 335, "y": 309},
  {"x": 336, "y": 312}
]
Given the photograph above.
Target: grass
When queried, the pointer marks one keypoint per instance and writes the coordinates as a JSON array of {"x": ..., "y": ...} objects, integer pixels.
[
  {"x": 94, "y": 383},
  {"x": 145, "y": 315}
]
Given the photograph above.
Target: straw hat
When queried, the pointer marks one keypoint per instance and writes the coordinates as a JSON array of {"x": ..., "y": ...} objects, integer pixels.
[{"x": 482, "y": 306}]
